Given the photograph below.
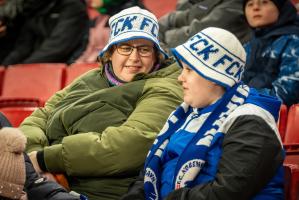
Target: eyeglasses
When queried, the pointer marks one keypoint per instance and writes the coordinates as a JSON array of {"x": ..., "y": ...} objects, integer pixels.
[{"x": 126, "y": 50}]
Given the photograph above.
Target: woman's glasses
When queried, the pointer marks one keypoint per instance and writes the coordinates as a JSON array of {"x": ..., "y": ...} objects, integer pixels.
[{"x": 143, "y": 50}]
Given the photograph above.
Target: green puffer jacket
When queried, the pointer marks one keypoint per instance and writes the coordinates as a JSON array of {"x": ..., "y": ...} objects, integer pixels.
[{"x": 99, "y": 135}]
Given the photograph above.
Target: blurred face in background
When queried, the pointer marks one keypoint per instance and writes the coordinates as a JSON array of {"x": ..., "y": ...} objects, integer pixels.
[
  {"x": 10, "y": 8},
  {"x": 133, "y": 57},
  {"x": 198, "y": 91},
  {"x": 95, "y": 3},
  {"x": 261, "y": 13}
]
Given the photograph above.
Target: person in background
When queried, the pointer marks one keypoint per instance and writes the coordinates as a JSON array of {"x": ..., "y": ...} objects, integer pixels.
[
  {"x": 53, "y": 31},
  {"x": 99, "y": 30},
  {"x": 98, "y": 129},
  {"x": 222, "y": 142},
  {"x": 273, "y": 52},
  {"x": 11, "y": 21},
  {"x": 18, "y": 179},
  {"x": 191, "y": 16}
]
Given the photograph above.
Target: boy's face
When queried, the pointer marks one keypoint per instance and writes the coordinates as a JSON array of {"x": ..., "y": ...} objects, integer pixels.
[
  {"x": 260, "y": 13},
  {"x": 198, "y": 91}
]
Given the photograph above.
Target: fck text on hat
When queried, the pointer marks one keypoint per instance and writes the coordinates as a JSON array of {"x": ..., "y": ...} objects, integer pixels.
[
  {"x": 215, "y": 54},
  {"x": 133, "y": 23}
]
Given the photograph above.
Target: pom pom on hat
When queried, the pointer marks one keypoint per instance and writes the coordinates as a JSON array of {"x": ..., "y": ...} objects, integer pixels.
[
  {"x": 12, "y": 164},
  {"x": 12, "y": 140},
  {"x": 215, "y": 54}
]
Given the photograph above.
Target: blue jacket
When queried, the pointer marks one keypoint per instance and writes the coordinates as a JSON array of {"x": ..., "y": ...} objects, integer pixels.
[{"x": 272, "y": 57}]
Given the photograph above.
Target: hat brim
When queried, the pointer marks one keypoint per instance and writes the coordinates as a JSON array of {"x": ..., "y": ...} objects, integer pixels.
[{"x": 181, "y": 53}]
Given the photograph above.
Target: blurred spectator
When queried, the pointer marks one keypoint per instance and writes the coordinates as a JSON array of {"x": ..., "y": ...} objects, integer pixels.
[
  {"x": 191, "y": 16},
  {"x": 54, "y": 31},
  {"x": 99, "y": 31},
  {"x": 273, "y": 53},
  {"x": 296, "y": 3},
  {"x": 18, "y": 178},
  {"x": 11, "y": 22}
]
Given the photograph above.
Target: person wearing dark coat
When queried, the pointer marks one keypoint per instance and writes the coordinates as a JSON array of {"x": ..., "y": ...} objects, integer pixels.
[
  {"x": 273, "y": 52},
  {"x": 11, "y": 22},
  {"x": 18, "y": 179},
  {"x": 54, "y": 31},
  {"x": 192, "y": 16}
]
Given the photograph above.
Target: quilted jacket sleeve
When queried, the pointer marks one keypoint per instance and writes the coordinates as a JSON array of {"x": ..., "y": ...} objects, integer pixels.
[
  {"x": 117, "y": 149},
  {"x": 34, "y": 126}
]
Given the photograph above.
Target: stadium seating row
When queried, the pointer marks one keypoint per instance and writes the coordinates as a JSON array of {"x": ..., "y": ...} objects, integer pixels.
[
  {"x": 289, "y": 129},
  {"x": 26, "y": 87},
  {"x": 32, "y": 84}
]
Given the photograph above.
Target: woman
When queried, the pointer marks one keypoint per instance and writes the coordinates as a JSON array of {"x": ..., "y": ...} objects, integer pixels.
[
  {"x": 272, "y": 53},
  {"x": 99, "y": 31},
  {"x": 98, "y": 130},
  {"x": 222, "y": 142}
]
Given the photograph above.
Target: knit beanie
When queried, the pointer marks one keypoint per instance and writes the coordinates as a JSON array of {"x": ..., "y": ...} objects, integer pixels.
[
  {"x": 279, "y": 3},
  {"x": 12, "y": 164},
  {"x": 133, "y": 23},
  {"x": 215, "y": 54}
]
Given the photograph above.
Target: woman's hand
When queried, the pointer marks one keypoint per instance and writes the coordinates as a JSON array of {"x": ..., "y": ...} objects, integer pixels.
[{"x": 33, "y": 158}]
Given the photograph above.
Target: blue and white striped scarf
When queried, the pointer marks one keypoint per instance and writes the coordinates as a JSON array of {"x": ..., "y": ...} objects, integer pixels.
[{"x": 200, "y": 143}]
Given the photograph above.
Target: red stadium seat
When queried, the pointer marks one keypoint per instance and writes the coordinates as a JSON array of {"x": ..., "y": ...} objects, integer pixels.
[
  {"x": 31, "y": 84},
  {"x": 291, "y": 174},
  {"x": 291, "y": 139},
  {"x": 282, "y": 121},
  {"x": 2, "y": 71},
  {"x": 77, "y": 69},
  {"x": 292, "y": 129},
  {"x": 160, "y": 8},
  {"x": 17, "y": 114}
]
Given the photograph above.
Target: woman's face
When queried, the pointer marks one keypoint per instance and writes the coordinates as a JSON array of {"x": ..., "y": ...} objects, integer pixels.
[
  {"x": 260, "y": 13},
  {"x": 133, "y": 57},
  {"x": 198, "y": 91}
]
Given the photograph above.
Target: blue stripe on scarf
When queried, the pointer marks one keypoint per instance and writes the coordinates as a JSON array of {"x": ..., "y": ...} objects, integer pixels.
[{"x": 234, "y": 97}]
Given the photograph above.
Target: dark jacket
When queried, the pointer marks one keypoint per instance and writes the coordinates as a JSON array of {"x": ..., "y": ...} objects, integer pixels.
[
  {"x": 38, "y": 188},
  {"x": 54, "y": 31},
  {"x": 248, "y": 138},
  {"x": 191, "y": 16},
  {"x": 272, "y": 57}
]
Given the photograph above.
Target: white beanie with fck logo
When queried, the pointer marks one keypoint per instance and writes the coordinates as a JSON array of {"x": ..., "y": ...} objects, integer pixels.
[
  {"x": 133, "y": 23},
  {"x": 215, "y": 54}
]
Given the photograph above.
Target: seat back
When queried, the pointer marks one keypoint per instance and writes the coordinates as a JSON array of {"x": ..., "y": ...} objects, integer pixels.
[
  {"x": 2, "y": 71},
  {"x": 292, "y": 127},
  {"x": 16, "y": 115},
  {"x": 38, "y": 81},
  {"x": 291, "y": 181},
  {"x": 282, "y": 121},
  {"x": 160, "y": 8},
  {"x": 77, "y": 69}
]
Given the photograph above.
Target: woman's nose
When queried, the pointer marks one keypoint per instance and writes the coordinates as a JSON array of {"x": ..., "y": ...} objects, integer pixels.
[{"x": 134, "y": 55}]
